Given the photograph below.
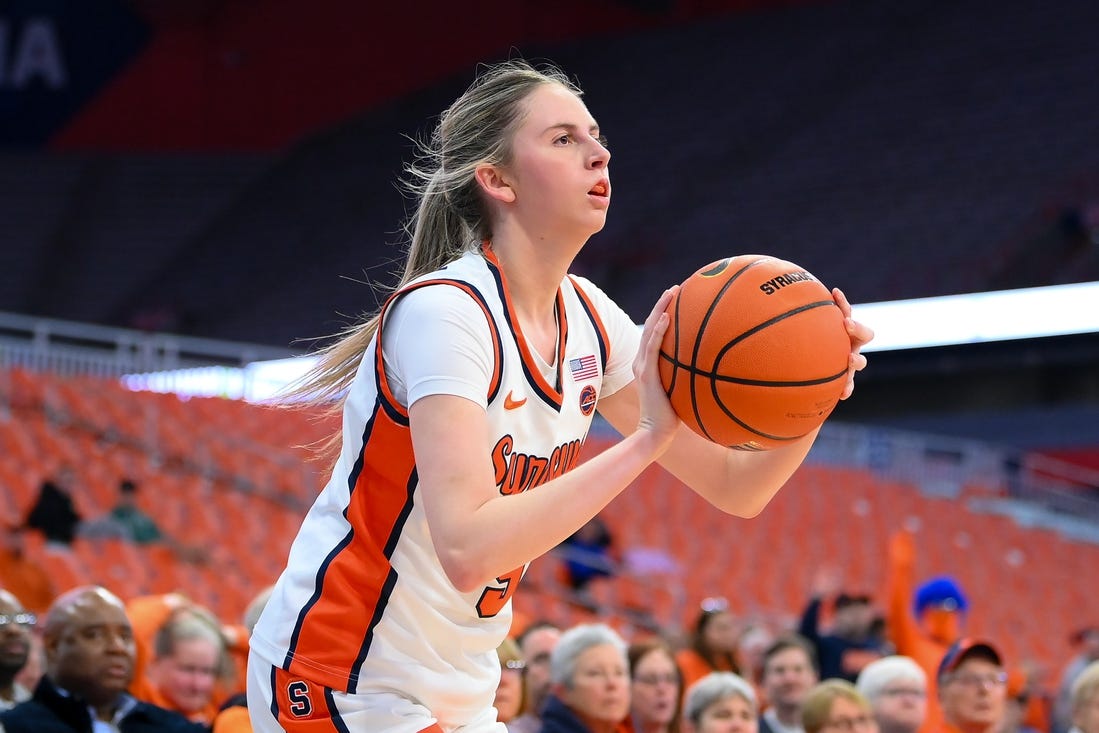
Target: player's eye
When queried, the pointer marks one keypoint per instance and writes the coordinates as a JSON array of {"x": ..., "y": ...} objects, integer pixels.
[{"x": 602, "y": 140}]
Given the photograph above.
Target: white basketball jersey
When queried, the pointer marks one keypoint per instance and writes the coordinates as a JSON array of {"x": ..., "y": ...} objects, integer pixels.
[{"x": 364, "y": 605}]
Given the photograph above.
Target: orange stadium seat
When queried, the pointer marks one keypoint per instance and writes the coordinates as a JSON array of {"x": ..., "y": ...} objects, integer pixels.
[{"x": 233, "y": 478}]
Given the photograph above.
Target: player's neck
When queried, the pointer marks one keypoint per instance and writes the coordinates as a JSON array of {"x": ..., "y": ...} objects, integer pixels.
[{"x": 533, "y": 271}]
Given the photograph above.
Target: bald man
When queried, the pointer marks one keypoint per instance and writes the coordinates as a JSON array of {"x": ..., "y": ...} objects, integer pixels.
[
  {"x": 89, "y": 663},
  {"x": 15, "y": 648}
]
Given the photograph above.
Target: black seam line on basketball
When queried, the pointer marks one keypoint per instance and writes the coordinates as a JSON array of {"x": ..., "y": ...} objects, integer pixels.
[
  {"x": 761, "y": 382},
  {"x": 746, "y": 426},
  {"x": 675, "y": 348},
  {"x": 772, "y": 321},
  {"x": 702, "y": 330}
]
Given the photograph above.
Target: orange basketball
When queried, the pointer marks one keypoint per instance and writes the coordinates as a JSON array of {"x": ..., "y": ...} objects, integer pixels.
[{"x": 756, "y": 352}]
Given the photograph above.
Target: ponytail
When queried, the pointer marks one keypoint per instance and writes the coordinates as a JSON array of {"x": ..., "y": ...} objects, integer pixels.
[{"x": 449, "y": 219}]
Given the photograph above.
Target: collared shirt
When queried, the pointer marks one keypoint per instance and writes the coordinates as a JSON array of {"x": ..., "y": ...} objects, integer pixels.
[
  {"x": 126, "y": 704},
  {"x": 777, "y": 725},
  {"x": 19, "y": 694}
]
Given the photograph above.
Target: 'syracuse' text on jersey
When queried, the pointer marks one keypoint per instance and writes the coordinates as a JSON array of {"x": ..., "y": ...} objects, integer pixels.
[{"x": 364, "y": 605}]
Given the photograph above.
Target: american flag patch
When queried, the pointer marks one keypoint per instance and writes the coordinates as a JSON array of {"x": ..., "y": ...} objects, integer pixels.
[{"x": 585, "y": 367}]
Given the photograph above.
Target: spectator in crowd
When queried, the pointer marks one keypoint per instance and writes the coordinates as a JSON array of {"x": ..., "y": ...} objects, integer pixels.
[
  {"x": 1086, "y": 640},
  {"x": 89, "y": 663},
  {"x": 972, "y": 686},
  {"x": 233, "y": 715},
  {"x": 850, "y": 645},
  {"x": 15, "y": 648},
  {"x": 836, "y": 706},
  {"x": 53, "y": 512},
  {"x": 509, "y": 691},
  {"x": 21, "y": 575},
  {"x": 1016, "y": 701},
  {"x": 712, "y": 645},
  {"x": 1085, "y": 700},
  {"x": 789, "y": 672},
  {"x": 721, "y": 702},
  {"x": 923, "y": 621},
  {"x": 188, "y": 658},
  {"x": 591, "y": 682},
  {"x": 751, "y": 644},
  {"x": 128, "y": 521},
  {"x": 656, "y": 688},
  {"x": 588, "y": 554},
  {"x": 536, "y": 644},
  {"x": 896, "y": 688}
]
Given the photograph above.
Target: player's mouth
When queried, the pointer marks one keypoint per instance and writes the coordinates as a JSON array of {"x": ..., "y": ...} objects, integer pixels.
[{"x": 601, "y": 190}]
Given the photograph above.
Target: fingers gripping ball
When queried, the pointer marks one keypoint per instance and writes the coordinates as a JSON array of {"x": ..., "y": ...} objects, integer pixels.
[{"x": 756, "y": 352}]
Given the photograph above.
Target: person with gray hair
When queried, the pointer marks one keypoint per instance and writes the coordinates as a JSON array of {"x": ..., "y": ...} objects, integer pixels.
[
  {"x": 721, "y": 702},
  {"x": 897, "y": 690},
  {"x": 590, "y": 677}
]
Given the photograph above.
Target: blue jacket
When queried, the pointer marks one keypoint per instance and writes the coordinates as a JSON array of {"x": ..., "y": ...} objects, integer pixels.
[
  {"x": 51, "y": 712},
  {"x": 558, "y": 718}
]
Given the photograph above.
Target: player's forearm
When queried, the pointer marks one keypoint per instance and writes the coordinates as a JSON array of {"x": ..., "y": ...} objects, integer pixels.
[
  {"x": 740, "y": 483},
  {"x": 507, "y": 532}
]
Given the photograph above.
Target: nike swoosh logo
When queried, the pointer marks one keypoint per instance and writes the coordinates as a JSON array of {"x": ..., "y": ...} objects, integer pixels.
[{"x": 513, "y": 404}]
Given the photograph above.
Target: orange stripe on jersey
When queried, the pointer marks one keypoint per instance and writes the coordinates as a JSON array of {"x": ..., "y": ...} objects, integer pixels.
[
  {"x": 593, "y": 314},
  {"x": 497, "y": 344},
  {"x": 545, "y": 391},
  {"x": 334, "y": 629},
  {"x": 302, "y": 706}
]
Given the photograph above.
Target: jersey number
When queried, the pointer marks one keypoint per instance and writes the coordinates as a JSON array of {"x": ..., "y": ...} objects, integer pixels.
[{"x": 495, "y": 597}]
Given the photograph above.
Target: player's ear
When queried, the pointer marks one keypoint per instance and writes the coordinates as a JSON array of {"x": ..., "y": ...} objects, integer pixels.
[{"x": 495, "y": 182}]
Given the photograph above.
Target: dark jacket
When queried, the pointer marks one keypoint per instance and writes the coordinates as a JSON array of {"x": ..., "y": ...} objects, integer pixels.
[
  {"x": 558, "y": 718},
  {"x": 836, "y": 655},
  {"x": 51, "y": 712}
]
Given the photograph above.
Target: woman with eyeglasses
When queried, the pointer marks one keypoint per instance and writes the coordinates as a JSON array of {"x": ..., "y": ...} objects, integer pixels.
[
  {"x": 713, "y": 643},
  {"x": 656, "y": 688},
  {"x": 837, "y": 706},
  {"x": 896, "y": 688},
  {"x": 721, "y": 702},
  {"x": 509, "y": 691}
]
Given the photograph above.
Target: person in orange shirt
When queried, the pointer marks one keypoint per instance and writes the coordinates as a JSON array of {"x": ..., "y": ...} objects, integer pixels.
[
  {"x": 923, "y": 621},
  {"x": 21, "y": 575},
  {"x": 713, "y": 643},
  {"x": 972, "y": 686}
]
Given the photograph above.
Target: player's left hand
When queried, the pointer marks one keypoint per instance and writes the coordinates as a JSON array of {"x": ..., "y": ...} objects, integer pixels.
[{"x": 861, "y": 335}]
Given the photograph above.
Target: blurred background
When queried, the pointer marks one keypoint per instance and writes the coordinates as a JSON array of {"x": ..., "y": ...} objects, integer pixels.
[{"x": 202, "y": 184}]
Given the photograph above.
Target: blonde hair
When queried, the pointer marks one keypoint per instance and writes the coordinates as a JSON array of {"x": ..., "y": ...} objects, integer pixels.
[
  {"x": 818, "y": 703},
  {"x": 1086, "y": 686},
  {"x": 449, "y": 217}
]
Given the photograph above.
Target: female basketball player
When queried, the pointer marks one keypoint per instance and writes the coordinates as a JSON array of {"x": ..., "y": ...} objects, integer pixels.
[{"x": 467, "y": 400}]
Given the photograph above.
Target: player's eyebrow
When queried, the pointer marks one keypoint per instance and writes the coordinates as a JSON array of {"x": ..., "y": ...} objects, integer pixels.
[{"x": 593, "y": 129}]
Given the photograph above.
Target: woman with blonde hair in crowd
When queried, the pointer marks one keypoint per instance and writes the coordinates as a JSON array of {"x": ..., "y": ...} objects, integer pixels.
[
  {"x": 509, "y": 691},
  {"x": 836, "y": 706},
  {"x": 721, "y": 702},
  {"x": 1085, "y": 700},
  {"x": 656, "y": 688}
]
